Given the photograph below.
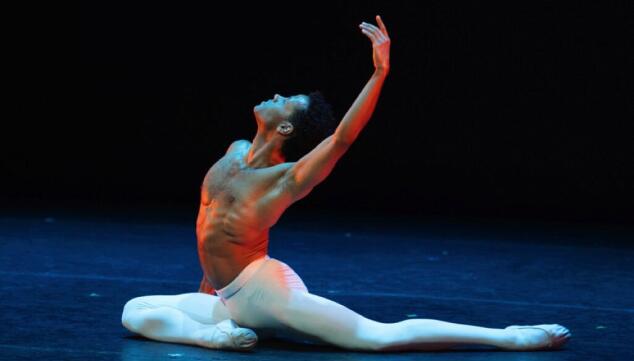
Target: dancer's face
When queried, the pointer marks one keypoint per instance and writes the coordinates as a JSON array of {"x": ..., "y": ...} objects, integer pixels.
[{"x": 273, "y": 111}]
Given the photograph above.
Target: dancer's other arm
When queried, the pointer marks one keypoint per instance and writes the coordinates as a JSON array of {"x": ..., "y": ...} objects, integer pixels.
[{"x": 315, "y": 166}]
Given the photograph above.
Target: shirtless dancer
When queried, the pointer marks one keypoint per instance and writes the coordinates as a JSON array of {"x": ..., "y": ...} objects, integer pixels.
[{"x": 243, "y": 195}]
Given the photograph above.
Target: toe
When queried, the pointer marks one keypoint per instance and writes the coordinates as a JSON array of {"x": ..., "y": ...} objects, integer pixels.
[
  {"x": 564, "y": 330},
  {"x": 245, "y": 338}
]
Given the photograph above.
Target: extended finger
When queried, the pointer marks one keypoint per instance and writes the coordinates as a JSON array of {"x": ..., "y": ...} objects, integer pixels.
[
  {"x": 373, "y": 30},
  {"x": 379, "y": 34},
  {"x": 372, "y": 26},
  {"x": 381, "y": 25}
]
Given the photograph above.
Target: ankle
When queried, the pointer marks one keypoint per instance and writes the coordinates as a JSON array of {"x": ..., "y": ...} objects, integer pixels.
[{"x": 206, "y": 335}]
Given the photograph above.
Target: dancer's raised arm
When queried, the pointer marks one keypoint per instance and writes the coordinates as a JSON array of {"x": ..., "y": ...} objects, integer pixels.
[
  {"x": 363, "y": 107},
  {"x": 315, "y": 166}
]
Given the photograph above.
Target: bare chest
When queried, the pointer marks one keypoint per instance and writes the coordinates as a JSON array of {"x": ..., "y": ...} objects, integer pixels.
[{"x": 240, "y": 198}]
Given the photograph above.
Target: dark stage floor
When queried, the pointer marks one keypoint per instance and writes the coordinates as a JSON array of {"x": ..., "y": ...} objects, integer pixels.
[{"x": 65, "y": 279}]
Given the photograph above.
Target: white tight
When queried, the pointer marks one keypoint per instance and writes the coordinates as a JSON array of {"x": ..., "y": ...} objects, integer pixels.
[
  {"x": 274, "y": 300},
  {"x": 173, "y": 318}
]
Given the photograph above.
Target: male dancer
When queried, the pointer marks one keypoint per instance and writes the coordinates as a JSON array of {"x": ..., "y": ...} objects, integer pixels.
[{"x": 242, "y": 197}]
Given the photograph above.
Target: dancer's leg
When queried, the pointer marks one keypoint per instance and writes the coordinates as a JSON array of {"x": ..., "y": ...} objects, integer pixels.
[
  {"x": 190, "y": 318},
  {"x": 275, "y": 298},
  {"x": 318, "y": 317}
]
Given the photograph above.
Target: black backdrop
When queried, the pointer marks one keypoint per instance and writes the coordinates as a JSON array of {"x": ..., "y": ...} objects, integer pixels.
[{"x": 512, "y": 110}]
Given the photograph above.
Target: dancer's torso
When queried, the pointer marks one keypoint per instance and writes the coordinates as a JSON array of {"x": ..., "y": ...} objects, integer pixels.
[{"x": 238, "y": 207}]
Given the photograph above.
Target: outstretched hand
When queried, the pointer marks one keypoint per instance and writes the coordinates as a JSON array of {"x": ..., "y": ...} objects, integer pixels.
[{"x": 380, "y": 44}]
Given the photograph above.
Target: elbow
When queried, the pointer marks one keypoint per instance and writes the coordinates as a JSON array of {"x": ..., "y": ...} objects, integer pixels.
[
  {"x": 342, "y": 141},
  {"x": 342, "y": 144}
]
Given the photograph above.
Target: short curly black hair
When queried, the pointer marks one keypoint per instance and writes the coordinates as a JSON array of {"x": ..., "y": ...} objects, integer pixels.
[{"x": 310, "y": 127}]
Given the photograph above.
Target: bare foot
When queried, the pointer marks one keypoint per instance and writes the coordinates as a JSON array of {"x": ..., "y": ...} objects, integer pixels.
[
  {"x": 539, "y": 337},
  {"x": 227, "y": 335}
]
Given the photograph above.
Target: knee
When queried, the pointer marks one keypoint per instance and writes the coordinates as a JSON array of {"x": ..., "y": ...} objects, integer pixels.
[{"x": 374, "y": 336}]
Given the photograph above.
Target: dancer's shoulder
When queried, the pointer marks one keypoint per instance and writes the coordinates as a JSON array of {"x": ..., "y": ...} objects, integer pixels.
[{"x": 238, "y": 145}]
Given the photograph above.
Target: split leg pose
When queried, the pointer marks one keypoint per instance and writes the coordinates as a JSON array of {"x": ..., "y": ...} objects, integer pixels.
[{"x": 243, "y": 195}]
